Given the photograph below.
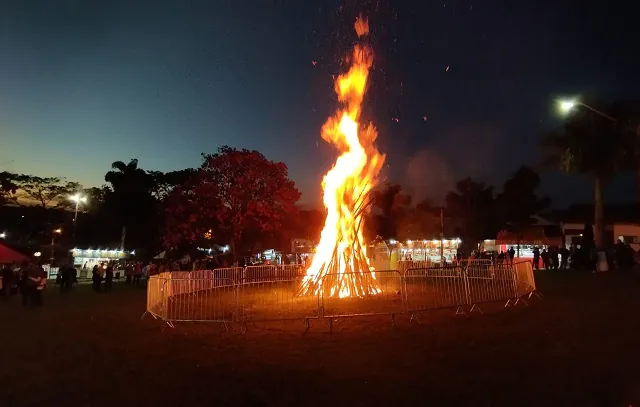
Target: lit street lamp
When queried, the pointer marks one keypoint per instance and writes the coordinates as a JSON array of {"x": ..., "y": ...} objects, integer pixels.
[
  {"x": 565, "y": 106},
  {"x": 77, "y": 198},
  {"x": 53, "y": 244}
]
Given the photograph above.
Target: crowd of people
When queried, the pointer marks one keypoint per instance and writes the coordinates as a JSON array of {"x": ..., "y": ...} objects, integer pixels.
[{"x": 29, "y": 280}]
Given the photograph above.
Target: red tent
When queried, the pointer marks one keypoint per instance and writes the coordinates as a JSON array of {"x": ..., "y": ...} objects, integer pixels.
[{"x": 8, "y": 255}]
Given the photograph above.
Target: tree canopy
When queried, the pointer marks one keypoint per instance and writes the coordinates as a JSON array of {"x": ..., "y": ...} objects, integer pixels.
[{"x": 244, "y": 196}]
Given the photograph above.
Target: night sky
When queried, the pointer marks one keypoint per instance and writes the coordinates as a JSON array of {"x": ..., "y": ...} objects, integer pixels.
[{"x": 458, "y": 88}]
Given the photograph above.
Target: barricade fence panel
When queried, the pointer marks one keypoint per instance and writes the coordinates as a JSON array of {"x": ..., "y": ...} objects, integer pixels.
[
  {"x": 262, "y": 293},
  {"x": 493, "y": 283},
  {"x": 526, "y": 283},
  {"x": 368, "y": 293},
  {"x": 434, "y": 288},
  {"x": 263, "y": 299},
  {"x": 214, "y": 304},
  {"x": 155, "y": 295}
]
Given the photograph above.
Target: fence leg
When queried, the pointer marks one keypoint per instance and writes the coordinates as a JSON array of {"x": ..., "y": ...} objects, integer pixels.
[
  {"x": 536, "y": 293},
  {"x": 474, "y": 307},
  {"x": 393, "y": 320},
  {"x": 143, "y": 315},
  {"x": 330, "y": 325},
  {"x": 170, "y": 324},
  {"x": 307, "y": 325},
  {"x": 414, "y": 317},
  {"x": 460, "y": 311}
]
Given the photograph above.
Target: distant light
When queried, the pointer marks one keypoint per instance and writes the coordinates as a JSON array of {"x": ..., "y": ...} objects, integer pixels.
[
  {"x": 3, "y": 235},
  {"x": 37, "y": 254},
  {"x": 77, "y": 198},
  {"x": 133, "y": 252},
  {"x": 392, "y": 241},
  {"x": 565, "y": 106},
  {"x": 225, "y": 249},
  {"x": 58, "y": 231}
]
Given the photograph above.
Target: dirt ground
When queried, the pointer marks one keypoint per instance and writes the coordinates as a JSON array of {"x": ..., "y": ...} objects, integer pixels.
[{"x": 578, "y": 346}]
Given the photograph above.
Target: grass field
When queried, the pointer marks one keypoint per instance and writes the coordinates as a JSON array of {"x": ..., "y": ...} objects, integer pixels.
[{"x": 577, "y": 347}]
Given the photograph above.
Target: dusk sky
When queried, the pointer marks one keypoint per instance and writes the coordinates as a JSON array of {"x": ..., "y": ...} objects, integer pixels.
[{"x": 458, "y": 88}]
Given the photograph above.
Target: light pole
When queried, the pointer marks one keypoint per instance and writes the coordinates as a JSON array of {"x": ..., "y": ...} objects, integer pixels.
[
  {"x": 567, "y": 105},
  {"x": 53, "y": 245},
  {"x": 77, "y": 198}
]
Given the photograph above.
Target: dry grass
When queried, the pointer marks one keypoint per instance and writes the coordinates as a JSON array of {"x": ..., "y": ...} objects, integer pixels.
[{"x": 577, "y": 347}]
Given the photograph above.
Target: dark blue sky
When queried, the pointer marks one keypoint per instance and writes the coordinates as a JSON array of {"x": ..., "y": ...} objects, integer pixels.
[{"x": 85, "y": 83}]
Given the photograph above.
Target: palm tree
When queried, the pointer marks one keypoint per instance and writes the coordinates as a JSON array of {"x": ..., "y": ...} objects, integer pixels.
[
  {"x": 589, "y": 144},
  {"x": 130, "y": 199}
]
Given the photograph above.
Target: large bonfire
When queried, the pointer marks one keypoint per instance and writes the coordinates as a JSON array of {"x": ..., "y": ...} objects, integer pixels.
[{"x": 340, "y": 267}]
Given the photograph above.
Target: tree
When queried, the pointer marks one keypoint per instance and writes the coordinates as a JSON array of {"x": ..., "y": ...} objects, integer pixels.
[
  {"x": 131, "y": 203},
  {"x": 8, "y": 188},
  {"x": 518, "y": 202},
  {"x": 191, "y": 212},
  {"x": 45, "y": 191},
  {"x": 249, "y": 195},
  {"x": 626, "y": 114},
  {"x": 164, "y": 182},
  {"x": 390, "y": 206},
  {"x": 591, "y": 145},
  {"x": 473, "y": 202}
]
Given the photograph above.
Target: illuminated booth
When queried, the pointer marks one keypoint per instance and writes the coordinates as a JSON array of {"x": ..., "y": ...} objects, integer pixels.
[
  {"x": 523, "y": 243},
  {"x": 86, "y": 259},
  {"x": 385, "y": 255}
]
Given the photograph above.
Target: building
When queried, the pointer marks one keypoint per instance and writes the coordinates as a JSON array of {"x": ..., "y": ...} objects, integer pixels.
[{"x": 621, "y": 222}]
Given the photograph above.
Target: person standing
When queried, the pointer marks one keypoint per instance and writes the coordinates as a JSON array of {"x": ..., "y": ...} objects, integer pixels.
[
  {"x": 108, "y": 278},
  {"x": 95, "y": 278},
  {"x": 7, "y": 280},
  {"x": 38, "y": 278},
  {"x": 137, "y": 273},
  {"x": 536, "y": 258},
  {"x": 23, "y": 277}
]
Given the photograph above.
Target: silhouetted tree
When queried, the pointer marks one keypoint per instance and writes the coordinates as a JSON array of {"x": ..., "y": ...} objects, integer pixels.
[
  {"x": 389, "y": 207},
  {"x": 164, "y": 182},
  {"x": 8, "y": 188},
  {"x": 131, "y": 203},
  {"x": 44, "y": 191},
  {"x": 518, "y": 201},
  {"x": 473, "y": 202}
]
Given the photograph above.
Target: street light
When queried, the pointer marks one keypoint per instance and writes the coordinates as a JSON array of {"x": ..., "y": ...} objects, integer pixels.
[
  {"x": 565, "y": 106},
  {"x": 53, "y": 244},
  {"x": 77, "y": 198}
]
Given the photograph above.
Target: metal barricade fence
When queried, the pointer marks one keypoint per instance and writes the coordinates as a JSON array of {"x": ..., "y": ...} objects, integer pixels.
[
  {"x": 290, "y": 271},
  {"x": 231, "y": 273},
  {"x": 263, "y": 273},
  {"x": 435, "y": 288},
  {"x": 155, "y": 296},
  {"x": 372, "y": 293},
  {"x": 263, "y": 293},
  {"x": 404, "y": 265},
  {"x": 477, "y": 268},
  {"x": 213, "y": 304},
  {"x": 493, "y": 283},
  {"x": 525, "y": 282},
  {"x": 268, "y": 299}
]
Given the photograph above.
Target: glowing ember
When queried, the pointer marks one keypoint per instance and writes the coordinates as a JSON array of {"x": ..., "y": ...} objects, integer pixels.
[{"x": 340, "y": 266}]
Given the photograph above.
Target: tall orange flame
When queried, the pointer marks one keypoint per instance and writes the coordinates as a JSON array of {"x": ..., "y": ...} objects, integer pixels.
[{"x": 340, "y": 266}]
